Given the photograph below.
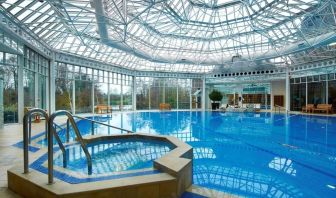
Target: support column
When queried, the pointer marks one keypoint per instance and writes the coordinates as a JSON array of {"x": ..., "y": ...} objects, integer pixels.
[
  {"x": 190, "y": 94},
  {"x": 36, "y": 89},
  {"x": 133, "y": 93},
  {"x": 121, "y": 91},
  {"x": 108, "y": 92},
  {"x": 203, "y": 93},
  {"x": 1, "y": 100},
  {"x": 306, "y": 92},
  {"x": 177, "y": 96},
  {"x": 287, "y": 106},
  {"x": 327, "y": 94},
  {"x": 73, "y": 98},
  {"x": 149, "y": 98},
  {"x": 266, "y": 100},
  {"x": 272, "y": 97},
  {"x": 52, "y": 82},
  {"x": 93, "y": 95},
  {"x": 20, "y": 90},
  {"x": 164, "y": 92}
]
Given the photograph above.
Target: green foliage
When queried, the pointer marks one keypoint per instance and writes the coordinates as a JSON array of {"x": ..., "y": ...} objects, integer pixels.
[{"x": 215, "y": 95}]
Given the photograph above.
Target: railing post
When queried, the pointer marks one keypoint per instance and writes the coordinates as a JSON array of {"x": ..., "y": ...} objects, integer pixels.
[
  {"x": 27, "y": 134},
  {"x": 92, "y": 128},
  {"x": 30, "y": 120},
  {"x": 67, "y": 131},
  {"x": 25, "y": 145},
  {"x": 50, "y": 155}
]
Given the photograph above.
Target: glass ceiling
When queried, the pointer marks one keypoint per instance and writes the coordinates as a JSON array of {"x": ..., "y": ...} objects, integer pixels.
[{"x": 179, "y": 35}]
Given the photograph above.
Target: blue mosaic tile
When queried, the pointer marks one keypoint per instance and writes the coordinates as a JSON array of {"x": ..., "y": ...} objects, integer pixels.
[
  {"x": 38, "y": 165},
  {"x": 30, "y": 148},
  {"x": 191, "y": 195}
]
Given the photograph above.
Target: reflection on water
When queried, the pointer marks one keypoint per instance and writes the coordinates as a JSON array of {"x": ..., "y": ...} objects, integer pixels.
[
  {"x": 115, "y": 155},
  {"x": 251, "y": 154}
]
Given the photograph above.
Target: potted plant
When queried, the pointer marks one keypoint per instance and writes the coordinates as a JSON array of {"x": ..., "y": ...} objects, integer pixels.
[{"x": 216, "y": 97}]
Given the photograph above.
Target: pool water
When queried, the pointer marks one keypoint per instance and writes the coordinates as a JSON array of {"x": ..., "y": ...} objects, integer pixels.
[
  {"x": 115, "y": 155},
  {"x": 248, "y": 154}
]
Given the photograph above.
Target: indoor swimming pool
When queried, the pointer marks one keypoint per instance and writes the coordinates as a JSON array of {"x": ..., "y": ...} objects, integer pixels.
[{"x": 248, "y": 154}]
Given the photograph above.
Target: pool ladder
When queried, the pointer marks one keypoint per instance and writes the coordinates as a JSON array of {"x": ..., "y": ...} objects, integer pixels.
[{"x": 50, "y": 132}]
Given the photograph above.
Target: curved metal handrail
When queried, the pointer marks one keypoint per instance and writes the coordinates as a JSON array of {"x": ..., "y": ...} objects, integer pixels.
[
  {"x": 102, "y": 123},
  {"x": 26, "y": 138},
  {"x": 52, "y": 131}
]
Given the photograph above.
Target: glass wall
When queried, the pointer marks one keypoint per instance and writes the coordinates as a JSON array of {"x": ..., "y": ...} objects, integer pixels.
[
  {"x": 170, "y": 92},
  {"x": 196, "y": 94},
  {"x": 150, "y": 92},
  {"x": 321, "y": 89},
  {"x": 184, "y": 86},
  {"x": 143, "y": 85},
  {"x": 115, "y": 96},
  {"x": 83, "y": 88},
  {"x": 127, "y": 97},
  {"x": 63, "y": 87},
  {"x": 332, "y": 94},
  {"x": 29, "y": 88},
  {"x": 8, "y": 64},
  {"x": 298, "y": 96},
  {"x": 317, "y": 93},
  {"x": 34, "y": 79},
  {"x": 83, "y": 101}
]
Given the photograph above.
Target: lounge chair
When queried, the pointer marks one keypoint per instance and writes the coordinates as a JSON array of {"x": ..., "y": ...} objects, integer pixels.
[
  {"x": 323, "y": 108},
  {"x": 308, "y": 108}
]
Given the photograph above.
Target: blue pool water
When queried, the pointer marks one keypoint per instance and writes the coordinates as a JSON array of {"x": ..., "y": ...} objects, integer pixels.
[
  {"x": 115, "y": 155},
  {"x": 248, "y": 154}
]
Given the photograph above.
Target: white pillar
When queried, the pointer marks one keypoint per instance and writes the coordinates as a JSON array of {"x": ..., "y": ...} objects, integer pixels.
[
  {"x": 177, "y": 96},
  {"x": 73, "y": 97},
  {"x": 327, "y": 94},
  {"x": 133, "y": 93},
  {"x": 164, "y": 91},
  {"x": 122, "y": 92},
  {"x": 36, "y": 89},
  {"x": 190, "y": 94},
  {"x": 20, "y": 89},
  {"x": 306, "y": 92},
  {"x": 272, "y": 98},
  {"x": 93, "y": 94},
  {"x": 108, "y": 91},
  {"x": 1, "y": 100},
  {"x": 287, "y": 106},
  {"x": 52, "y": 82},
  {"x": 203, "y": 93}
]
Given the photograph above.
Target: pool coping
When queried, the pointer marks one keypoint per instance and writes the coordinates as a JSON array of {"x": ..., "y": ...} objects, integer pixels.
[{"x": 174, "y": 178}]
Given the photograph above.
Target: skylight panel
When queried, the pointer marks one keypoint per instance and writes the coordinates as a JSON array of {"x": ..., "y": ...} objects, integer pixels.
[
  {"x": 36, "y": 5},
  {"x": 24, "y": 14},
  {"x": 15, "y": 10},
  {"x": 30, "y": 19}
]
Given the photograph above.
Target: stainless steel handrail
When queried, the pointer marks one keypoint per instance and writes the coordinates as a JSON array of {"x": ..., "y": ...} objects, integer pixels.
[
  {"x": 102, "y": 123},
  {"x": 51, "y": 132},
  {"x": 27, "y": 129},
  {"x": 60, "y": 145}
]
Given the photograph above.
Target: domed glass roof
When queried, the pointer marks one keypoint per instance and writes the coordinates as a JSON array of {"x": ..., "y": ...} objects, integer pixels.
[{"x": 178, "y": 35}]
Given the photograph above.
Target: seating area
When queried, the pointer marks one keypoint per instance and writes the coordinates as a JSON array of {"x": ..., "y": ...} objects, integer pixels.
[
  {"x": 320, "y": 108},
  {"x": 103, "y": 109},
  {"x": 165, "y": 106}
]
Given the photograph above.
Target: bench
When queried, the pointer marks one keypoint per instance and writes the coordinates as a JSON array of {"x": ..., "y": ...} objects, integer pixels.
[
  {"x": 103, "y": 108},
  {"x": 165, "y": 106},
  {"x": 323, "y": 108},
  {"x": 308, "y": 108}
]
